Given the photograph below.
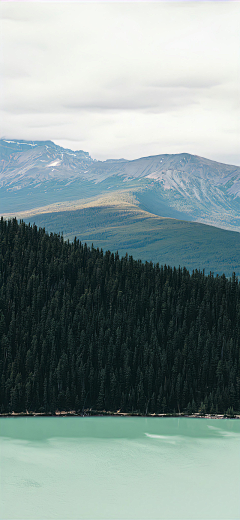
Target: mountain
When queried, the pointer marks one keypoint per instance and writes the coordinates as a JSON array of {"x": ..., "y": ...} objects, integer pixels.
[
  {"x": 148, "y": 237},
  {"x": 36, "y": 173},
  {"x": 154, "y": 208},
  {"x": 25, "y": 163},
  {"x": 83, "y": 329}
]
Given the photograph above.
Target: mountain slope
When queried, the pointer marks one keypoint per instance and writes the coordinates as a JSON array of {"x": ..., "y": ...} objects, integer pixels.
[
  {"x": 147, "y": 237},
  {"x": 38, "y": 173},
  {"x": 82, "y": 329}
]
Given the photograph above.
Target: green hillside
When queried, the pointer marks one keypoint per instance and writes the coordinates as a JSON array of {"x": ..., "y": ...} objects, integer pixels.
[
  {"x": 80, "y": 328},
  {"x": 167, "y": 241}
]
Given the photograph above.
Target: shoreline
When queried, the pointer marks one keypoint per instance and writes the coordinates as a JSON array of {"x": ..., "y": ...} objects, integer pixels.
[{"x": 104, "y": 413}]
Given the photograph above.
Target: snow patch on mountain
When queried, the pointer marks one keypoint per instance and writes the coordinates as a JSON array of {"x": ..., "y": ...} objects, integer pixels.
[{"x": 54, "y": 163}]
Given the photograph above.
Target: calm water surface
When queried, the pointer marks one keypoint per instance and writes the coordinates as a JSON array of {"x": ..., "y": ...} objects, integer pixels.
[{"x": 119, "y": 468}]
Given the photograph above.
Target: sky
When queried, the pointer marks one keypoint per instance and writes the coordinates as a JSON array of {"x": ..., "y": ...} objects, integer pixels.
[{"x": 123, "y": 79}]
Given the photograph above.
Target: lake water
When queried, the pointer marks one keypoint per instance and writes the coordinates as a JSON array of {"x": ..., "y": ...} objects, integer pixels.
[{"x": 119, "y": 468}]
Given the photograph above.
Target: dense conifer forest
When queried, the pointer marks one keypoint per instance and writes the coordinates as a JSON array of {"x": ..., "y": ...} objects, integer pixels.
[{"x": 81, "y": 329}]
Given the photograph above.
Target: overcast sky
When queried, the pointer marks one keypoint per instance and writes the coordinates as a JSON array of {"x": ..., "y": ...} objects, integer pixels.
[{"x": 125, "y": 79}]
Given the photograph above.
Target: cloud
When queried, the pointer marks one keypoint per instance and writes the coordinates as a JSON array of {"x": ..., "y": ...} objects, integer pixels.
[
  {"x": 124, "y": 78},
  {"x": 156, "y": 100}
]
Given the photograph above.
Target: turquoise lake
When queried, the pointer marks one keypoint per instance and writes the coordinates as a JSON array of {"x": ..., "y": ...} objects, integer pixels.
[{"x": 119, "y": 468}]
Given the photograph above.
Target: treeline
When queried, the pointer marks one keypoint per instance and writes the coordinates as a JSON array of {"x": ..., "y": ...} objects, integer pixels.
[{"x": 80, "y": 329}]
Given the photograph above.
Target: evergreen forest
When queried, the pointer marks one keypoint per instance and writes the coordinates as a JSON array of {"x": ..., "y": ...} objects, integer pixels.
[{"x": 83, "y": 329}]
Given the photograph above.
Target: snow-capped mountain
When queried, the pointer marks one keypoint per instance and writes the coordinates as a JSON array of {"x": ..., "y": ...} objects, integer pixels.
[
  {"x": 32, "y": 162},
  {"x": 185, "y": 186}
]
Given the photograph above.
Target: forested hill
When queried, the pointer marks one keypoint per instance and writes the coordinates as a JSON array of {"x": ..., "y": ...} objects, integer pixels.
[{"x": 81, "y": 329}]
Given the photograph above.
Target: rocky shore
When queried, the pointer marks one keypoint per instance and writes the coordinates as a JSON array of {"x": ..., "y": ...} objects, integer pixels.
[{"x": 104, "y": 413}]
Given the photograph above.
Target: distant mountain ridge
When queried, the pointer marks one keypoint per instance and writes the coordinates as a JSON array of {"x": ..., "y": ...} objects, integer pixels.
[
  {"x": 23, "y": 162},
  {"x": 35, "y": 173}
]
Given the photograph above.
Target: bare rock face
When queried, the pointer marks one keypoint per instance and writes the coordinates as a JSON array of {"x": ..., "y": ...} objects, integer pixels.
[
  {"x": 180, "y": 186},
  {"x": 26, "y": 162}
]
